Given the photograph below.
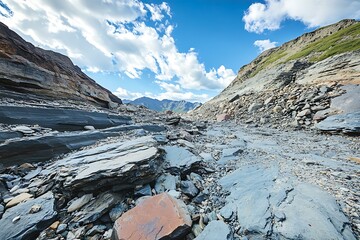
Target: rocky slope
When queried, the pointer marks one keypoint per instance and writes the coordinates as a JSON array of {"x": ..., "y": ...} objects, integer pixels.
[
  {"x": 25, "y": 68},
  {"x": 75, "y": 170},
  {"x": 291, "y": 83},
  {"x": 164, "y": 105}
]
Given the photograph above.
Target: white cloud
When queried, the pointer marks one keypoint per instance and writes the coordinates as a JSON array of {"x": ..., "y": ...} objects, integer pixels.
[
  {"x": 178, "y": 95},
  {"x": 264, "y": 44},
  {"x": 312, "y": 13},
  {"x": 114, "y": 35}
]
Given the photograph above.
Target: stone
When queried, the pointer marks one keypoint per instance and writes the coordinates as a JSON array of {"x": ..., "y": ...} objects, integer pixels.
[
  {"x": 80, "y": 202},
  {"x": 143, "y": 191},
  {"x": 89, "y": 127},
  {"x": 348, "y": 123},
  {"x": 222, "y": 117},
  {"x": 157, "y": 217},
  {"x": 35, "y": 208},
  {"x": 188, "y": 188},
  {"x": 258, "y": 192},
  {"x": 61, "y": 228},
  {"x": 97, "y": 207},
  {"x": 28, "y": 226},
  {"x": 254, "y": 107},
  {"x": 33, "y": 173},
  {"x": 180, "y": 159},
  {"x": 23, "y": 129},
  {"x": 277, "y": 109},
  {"x": 37, "y": 73},
  {"x": 173, "y": 120},
  {"x": 166, "y": 182},
  {"x": 303, "y": 113},
  {"x": 129, "y": 164},
  {"x": 268, "y": 101},
  {"x": 215, "y": 230},
  {"x": 117, "y": 211},
  {"x": 59, "y": 119},
  {"x": 18, "y": 199}
]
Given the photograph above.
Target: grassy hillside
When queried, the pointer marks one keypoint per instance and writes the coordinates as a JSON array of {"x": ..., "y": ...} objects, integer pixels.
[{"x": 344, "y": 40}]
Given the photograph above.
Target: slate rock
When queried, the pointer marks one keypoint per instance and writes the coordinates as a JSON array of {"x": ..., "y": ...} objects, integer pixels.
[
  {"x": 59, "y": 119},
  {"x": 79, "y": 202},
  {"x": 28, "y": 226},
  {"x": 254, "y": 107},
  {"x": 128, "y": 164},
  {"x": 96, "y": 208},
  {"x": 215, "y": 230},
  {"x": 18, "y": 199},
  {"x": 347, "y": 123},
  {"x": 143, "y": 191},
  {"x": 166, "y": 182},
  {"x": 117, "y": 211},
  {"x": 157, "y": 217},
  {"x": 5, "y": 135},
  {"x": 188, "y": 188},
  {"x": 180, "y": 159}
]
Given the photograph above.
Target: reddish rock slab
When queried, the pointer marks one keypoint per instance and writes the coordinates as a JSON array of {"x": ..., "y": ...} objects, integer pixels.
[
  {"x": 157, "y": 217},
  {"x": 222, "y": 117}
]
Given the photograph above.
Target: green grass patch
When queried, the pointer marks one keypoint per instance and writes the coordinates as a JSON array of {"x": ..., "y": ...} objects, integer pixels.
[
  {"x": 345, "y": 40},
  {"x": 273, "y": 57}
]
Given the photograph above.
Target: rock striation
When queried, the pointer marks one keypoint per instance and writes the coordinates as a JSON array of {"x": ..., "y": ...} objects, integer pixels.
[
  {"x": 25, "y": 68},
  {"x": 287, "y": 85}
]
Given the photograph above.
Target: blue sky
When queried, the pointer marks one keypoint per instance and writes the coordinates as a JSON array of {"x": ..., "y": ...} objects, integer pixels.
[{"x": 177, "y": 49}]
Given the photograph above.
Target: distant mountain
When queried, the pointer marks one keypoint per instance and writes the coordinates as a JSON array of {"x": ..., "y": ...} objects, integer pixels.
[{"x": 163, "y": 105}]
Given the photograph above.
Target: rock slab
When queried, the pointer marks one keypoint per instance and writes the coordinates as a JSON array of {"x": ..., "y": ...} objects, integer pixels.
[
  {"x": 158, "y": 217},
  {"x": 28, "y": 224}
]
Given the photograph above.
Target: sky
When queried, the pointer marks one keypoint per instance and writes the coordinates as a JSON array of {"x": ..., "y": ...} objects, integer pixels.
[{"x": 176, "y": 49}]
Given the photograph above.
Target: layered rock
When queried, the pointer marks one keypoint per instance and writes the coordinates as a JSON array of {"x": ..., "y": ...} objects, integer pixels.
[
  {"x": 158, "y": 217},
  {"x": 320, "y": 58},
  {"x": 25, "y": 68}
]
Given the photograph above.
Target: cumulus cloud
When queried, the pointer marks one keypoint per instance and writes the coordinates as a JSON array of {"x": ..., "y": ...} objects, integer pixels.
[
  {"x": 178, "y": 95},
  {"x": 128, "y": 36},
  {"x": 313, "y": 13},
  {"x": 264, "y": 44}
]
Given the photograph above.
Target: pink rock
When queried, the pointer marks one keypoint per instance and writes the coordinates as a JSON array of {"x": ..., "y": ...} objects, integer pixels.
[
  {"x": 222, "y": 117},
  {"x": 157, "y": 217}
]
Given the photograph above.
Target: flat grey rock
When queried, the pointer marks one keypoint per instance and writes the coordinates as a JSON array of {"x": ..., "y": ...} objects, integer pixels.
[
  {"x": 29, "y": 225},
  {"x": 215, "y": 230},
  {"x": 59, "y": 119},
  {"x": 347, "y": 123},
  {"x": 180, "y": 159},
  {"x": 166, "y": 182},
  {"x": 119, "y": 165},
  {"x": 43, "y": 148},
  {"x": 270, "y": 206}
]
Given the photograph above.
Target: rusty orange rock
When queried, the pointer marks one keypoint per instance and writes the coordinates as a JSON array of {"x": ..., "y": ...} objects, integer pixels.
[{"x": 157, "y": 217}]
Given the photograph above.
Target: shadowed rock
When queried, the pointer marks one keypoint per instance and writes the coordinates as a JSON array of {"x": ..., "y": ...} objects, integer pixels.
[
  {"x": 118, "y": 165},
  {"x": 38, "y": 149},
  {"x": 29, "y": 224},
  {"x": 157, "y": 217},
  {"x": 59, "y": 119}
]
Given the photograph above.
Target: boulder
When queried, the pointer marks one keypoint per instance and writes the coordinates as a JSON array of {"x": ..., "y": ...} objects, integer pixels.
[
  {"x": 18, "y": 223},
  {"x": 254, "y": 107},
  {"x": 128, "y": 164},
  {"x": 157, "y": 217},
  {"x": 180, "y": 159},
  {"x": 348, "y": 123},
  {"x": 222, "y": 117},
  {"x": 215, "y": 230}
]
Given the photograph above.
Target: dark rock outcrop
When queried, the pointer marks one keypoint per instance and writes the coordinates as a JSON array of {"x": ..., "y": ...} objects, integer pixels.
[
  {"x": 38, "y": 149},
  {"x": 18, "y": 223},
  {"x": 25, "y": 68},
  {"x": 59, "y": 119}
]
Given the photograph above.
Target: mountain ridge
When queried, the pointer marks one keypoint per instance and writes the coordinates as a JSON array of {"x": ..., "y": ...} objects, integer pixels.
[
  {"x": 25, "y": 68},
  {"x": 165, "y": 104},
  {"x": 328, "y": 56}
]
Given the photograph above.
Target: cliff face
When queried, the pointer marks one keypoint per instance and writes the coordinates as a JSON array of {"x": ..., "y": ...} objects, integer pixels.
[
  {"x": 25, "y": 68},
  {"x": 328, "y": 56}
]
